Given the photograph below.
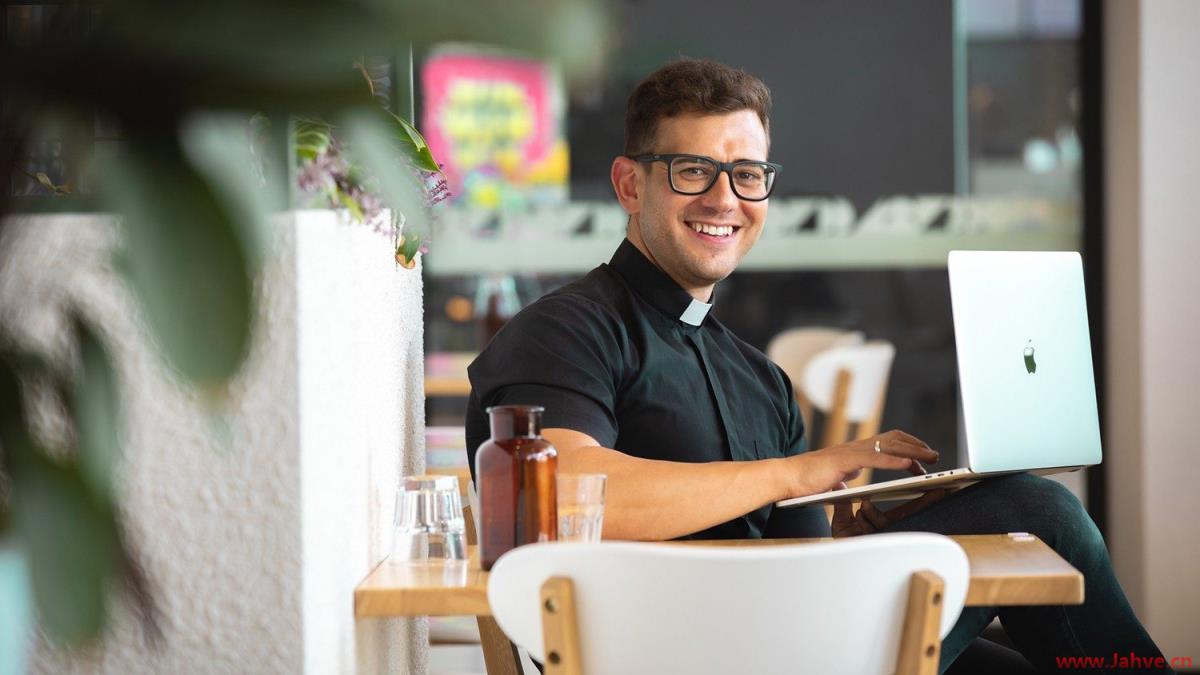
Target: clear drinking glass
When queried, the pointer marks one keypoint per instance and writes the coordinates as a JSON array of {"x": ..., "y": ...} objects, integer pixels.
[
  {"x": 580, "y": 506},
  {"x": 429, "y": 520}
]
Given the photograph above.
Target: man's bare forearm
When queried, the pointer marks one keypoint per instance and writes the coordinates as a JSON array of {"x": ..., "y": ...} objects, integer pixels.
[{"x": 655, "y": 500}]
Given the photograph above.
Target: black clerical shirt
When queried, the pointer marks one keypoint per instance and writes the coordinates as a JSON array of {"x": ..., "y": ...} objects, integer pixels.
[{"x": 629, "y": 358}]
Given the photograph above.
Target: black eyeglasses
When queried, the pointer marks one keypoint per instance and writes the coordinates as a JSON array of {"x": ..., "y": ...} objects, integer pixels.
[{"x": 696, "y": 174}]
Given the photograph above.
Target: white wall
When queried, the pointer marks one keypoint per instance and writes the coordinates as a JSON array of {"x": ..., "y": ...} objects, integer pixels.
[
  {"x": 1152, "y": 63},
  {"x": 361, "y": 367},
  {"x": 253, "y": 537}
]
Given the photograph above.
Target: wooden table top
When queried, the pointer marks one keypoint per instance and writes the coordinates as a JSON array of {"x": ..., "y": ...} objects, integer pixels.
[
  {"x": 447, "y": 386},
  {"x": 1005, "y": 570}
]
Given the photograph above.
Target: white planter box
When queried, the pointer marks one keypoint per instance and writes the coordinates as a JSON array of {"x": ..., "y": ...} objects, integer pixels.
[{"x": 254, "y": 528}]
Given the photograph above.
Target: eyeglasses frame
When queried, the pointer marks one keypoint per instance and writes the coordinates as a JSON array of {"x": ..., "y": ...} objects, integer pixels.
[{"x": 726, "y": 167}]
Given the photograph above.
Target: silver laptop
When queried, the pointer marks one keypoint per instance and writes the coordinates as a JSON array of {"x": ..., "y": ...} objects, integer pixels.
[{"x": 1024, "y": 372}]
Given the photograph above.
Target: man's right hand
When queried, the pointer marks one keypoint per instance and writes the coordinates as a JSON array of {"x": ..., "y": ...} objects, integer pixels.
[{"x": 822, "y": 470}]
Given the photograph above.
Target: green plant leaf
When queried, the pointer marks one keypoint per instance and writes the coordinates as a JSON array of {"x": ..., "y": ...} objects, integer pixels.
[
  {"x": 12, "y": 426},
  {"x": 407, "y": 249},
  {"x": 399, "y": 136},
  {"x": 577, "y": 34},
  {"x": 309, "y": 151},
  {"x": 313, "y": 137},
  {"x": 69, "y": 535},
  {"x": 185, "y": 258},
  {"x": 332, "y": 196},
  {"x": 71, "y": 540},
  {"x": 215, "y": 144},
  {"x": 370, "y": 142},
  {"x": 16, "y": 363},
  {"x": 97, "y": 409},
  {"x": 410, "y": 141},
  {"x": 351, "y": 205}
]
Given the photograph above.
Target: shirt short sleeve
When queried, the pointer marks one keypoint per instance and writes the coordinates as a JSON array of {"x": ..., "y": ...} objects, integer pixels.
[{"x": 564, "y": 353}]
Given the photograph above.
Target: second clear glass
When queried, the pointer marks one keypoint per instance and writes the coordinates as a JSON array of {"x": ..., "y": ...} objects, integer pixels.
[{"x": 581, "y": 506}]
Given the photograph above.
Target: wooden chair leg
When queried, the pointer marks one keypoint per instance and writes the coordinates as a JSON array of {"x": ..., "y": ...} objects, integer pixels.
[
  {"x": 920, "y": 641},
  {"x": 839, "y": 427},
  {"x": 560, "y": 628},
  {"x": 500, "y": 656},
  {"x": 837, "y": 424}
]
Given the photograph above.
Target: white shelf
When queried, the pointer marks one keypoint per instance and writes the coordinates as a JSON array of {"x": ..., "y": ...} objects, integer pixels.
[{"x": 895, "y": 233}]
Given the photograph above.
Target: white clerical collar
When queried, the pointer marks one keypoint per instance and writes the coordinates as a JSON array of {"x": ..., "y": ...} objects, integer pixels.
[{"x": 695, "y": 312}]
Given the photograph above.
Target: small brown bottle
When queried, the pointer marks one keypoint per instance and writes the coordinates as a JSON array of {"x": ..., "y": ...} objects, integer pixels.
[{"x": 515, "y": 470}]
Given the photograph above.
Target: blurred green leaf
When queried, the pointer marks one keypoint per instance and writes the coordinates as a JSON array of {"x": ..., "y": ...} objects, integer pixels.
[
  {"x": 185, "y": 260},
  {"x": 313, "y": 137},
  {"x": 410, "y": 142},
  {"x": 97, "y": 409},
  {"x": 215, "y": 144},
  {"x": 71, "y": 539},
  {"x": 69, "y": 535},
  {"x": 370, "y": 142},
  {"x": 351, "y": 206},
  {"x": 576, "y": 34},
  {"x": 12, "y": 424}
]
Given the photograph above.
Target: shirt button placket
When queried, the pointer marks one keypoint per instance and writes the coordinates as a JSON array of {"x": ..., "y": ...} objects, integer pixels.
[{"x": 737, "y": 449}]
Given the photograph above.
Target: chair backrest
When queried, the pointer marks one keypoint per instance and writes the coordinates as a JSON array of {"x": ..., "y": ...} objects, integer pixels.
[
  {"x": 869, "y": 366},
  {"x": 832, "y": 607},
  {"x": 793, "y": 348}
]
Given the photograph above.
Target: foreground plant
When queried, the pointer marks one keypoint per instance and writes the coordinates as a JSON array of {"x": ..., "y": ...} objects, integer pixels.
[{"x": 180, "y": 81}]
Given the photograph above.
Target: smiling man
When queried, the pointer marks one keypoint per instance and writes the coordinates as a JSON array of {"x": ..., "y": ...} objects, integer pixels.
[
  {"x": 699, "y": 231},
  {"x": 698, "y": 431}
]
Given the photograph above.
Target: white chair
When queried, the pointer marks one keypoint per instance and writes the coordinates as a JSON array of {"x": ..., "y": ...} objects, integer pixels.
[
  {"x": 877, "y": 604},
  {"x": 849, "y": 385},
  {"x": 794, "y": 348}
]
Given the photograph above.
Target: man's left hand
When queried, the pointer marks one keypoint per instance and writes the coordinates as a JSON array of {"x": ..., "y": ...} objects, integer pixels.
[{"x": 870, "y": 519}]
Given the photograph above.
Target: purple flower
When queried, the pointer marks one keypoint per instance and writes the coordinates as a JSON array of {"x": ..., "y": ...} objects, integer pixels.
[
  {"x": 330, "y": 179},
  {"x": 437, "y": 189}
]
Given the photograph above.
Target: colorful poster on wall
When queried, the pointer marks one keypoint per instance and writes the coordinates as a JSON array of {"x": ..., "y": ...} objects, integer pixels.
[{"x": 496, "y": 122}]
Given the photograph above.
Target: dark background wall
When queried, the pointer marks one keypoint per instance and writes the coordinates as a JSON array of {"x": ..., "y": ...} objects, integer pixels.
[{"x": 863, "y": 90}]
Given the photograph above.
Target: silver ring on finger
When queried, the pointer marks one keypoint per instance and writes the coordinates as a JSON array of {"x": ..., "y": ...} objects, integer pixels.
[{"x": 877, "y": 448}]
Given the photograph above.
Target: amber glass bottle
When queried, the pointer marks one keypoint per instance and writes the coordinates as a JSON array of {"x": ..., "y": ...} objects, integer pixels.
[{"x": 515, "y": 470}]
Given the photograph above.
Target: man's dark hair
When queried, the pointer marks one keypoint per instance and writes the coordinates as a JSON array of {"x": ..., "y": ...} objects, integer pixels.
[{"x": 691, "y": 86}]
